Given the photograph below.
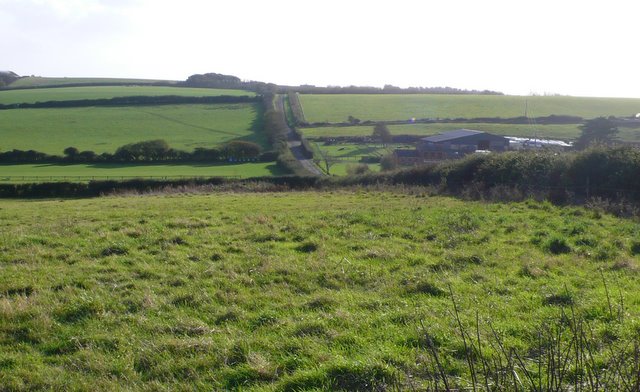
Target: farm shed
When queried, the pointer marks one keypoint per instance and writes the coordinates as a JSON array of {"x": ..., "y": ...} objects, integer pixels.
[{"x": 458, "y": 143}]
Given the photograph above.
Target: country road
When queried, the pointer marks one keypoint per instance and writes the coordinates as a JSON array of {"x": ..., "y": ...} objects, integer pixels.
[{"x": 294, "y": 143}]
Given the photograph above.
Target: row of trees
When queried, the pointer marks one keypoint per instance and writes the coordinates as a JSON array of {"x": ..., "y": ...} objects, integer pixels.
[
  {"x": 146, "y": 151},
  {"x": 599, "y": 131}
]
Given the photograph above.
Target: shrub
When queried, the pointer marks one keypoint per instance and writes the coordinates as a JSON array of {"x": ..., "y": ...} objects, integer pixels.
[
  {"x": 388, "y": 162},
  {"x": 357, "y": 170},
  {"x": 635, "y": 247},
  {"x": 307, "y": 247},
  {"x": 557, "y": 245},
  {"x": 241, "y": 150}
]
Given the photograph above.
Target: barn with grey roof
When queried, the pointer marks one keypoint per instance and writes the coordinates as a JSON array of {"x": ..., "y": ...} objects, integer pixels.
[{"x": 452, "y": 145}]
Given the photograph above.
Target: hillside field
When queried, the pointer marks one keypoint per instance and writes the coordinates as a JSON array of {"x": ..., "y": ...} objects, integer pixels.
[
  {"x": 338, "y": 107},
  {"x": 40, "y": 81},
  {"x": 97, "y": 92},
  {"x": 339, "y": 290},
  {"x": 104, "y": 129}
]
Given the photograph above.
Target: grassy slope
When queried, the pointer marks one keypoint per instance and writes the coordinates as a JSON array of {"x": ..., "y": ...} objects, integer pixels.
[
  {"x": 337, "y": 108},
  {"x": 251, "y": 290},
  {"x": 47, "y": 172},
  {"x": 103, "y": 129},
  {"x": 73, "y": 93},
  {"x": 39, "y": 81}
]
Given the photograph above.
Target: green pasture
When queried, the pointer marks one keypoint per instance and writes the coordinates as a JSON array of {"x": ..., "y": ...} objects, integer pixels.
[
  {"x": 104, "y": 129},
  {"x": 110, "y": 171},
  {"x": 344, "y": 155},
  {"x": 39, "y": 81},
  {"x": 337, "y": 108},
  {"x": 99, "y": 92},
  {"x": 341, "y": 168},
  {"x": 562, "y": 132},
  {"x": 297, "y": 291},
  {"x": 566, "y": 132}
]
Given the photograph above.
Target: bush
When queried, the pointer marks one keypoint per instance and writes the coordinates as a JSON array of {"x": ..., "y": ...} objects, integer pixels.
[
  {"x": 241, "y": 150},
  {"x": 388, "y": 162},
  {"x": 557, "y": 245},
  {"x": 357, "y": 170},
  {"x": 268, "y": 156}
]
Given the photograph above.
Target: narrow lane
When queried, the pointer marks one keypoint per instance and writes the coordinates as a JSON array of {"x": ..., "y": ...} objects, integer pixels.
[{"x": 294, "y": 143}]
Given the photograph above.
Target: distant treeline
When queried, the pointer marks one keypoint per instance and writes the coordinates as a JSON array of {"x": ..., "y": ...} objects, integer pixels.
[
  {"x": 133, "y": 101},
  {"x": 387, "y": 89},
  {"x": 147, "y": 151},
  {"x": 215, "y": 80}
]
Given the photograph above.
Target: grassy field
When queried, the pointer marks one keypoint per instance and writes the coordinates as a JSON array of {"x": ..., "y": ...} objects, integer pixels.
[
  {"x": 337, "y": 108},
  {"x": 297, "y": 291},
  {"x": 349, "y": 154},
  {"x": 39, "y": 81},
  {"x": 563, "y": 132},
  {"x": 86, "y": 172},
  {"x": 103, "y": 129},
  {"x": 77, "y": 93}
]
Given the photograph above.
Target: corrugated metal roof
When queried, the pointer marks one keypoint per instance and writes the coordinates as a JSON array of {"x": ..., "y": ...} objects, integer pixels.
[{"x": 446, "y": 136}]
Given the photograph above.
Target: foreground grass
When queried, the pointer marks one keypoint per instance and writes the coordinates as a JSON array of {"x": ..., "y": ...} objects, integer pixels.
[
  {"x": 288, "y": 291},
  {"x": 97, "y": 92},
  {"x": 106, "y": 171},
  {"x": 104, "y": 129},
  {"x": 337, "y": 108}
]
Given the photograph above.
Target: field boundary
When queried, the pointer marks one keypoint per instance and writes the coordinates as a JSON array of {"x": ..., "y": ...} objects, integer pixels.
[
  {"x": 296, "y": 108},
  {"x": 134, "y": 101},
  {"x": 547, "y": 120},
  {"x": 58, "y": 178}
]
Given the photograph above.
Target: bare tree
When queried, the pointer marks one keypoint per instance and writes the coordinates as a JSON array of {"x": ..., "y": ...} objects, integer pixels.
[{"x": 326, "y": 159}]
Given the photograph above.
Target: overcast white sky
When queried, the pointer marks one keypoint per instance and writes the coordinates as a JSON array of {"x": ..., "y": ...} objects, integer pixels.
[{"x": 586, "y": 48}]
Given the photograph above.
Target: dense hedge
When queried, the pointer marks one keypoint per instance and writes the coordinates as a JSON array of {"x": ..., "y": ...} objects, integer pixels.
[
  {"x": 598, "y": 172},
  {"x": 147, "y": 151},
  {"x": 608, "y": 173},
  {"x": 98, "y": 188}
]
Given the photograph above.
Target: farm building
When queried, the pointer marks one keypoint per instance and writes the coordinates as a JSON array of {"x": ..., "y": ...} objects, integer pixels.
[{"x": 451, "y": 145}]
